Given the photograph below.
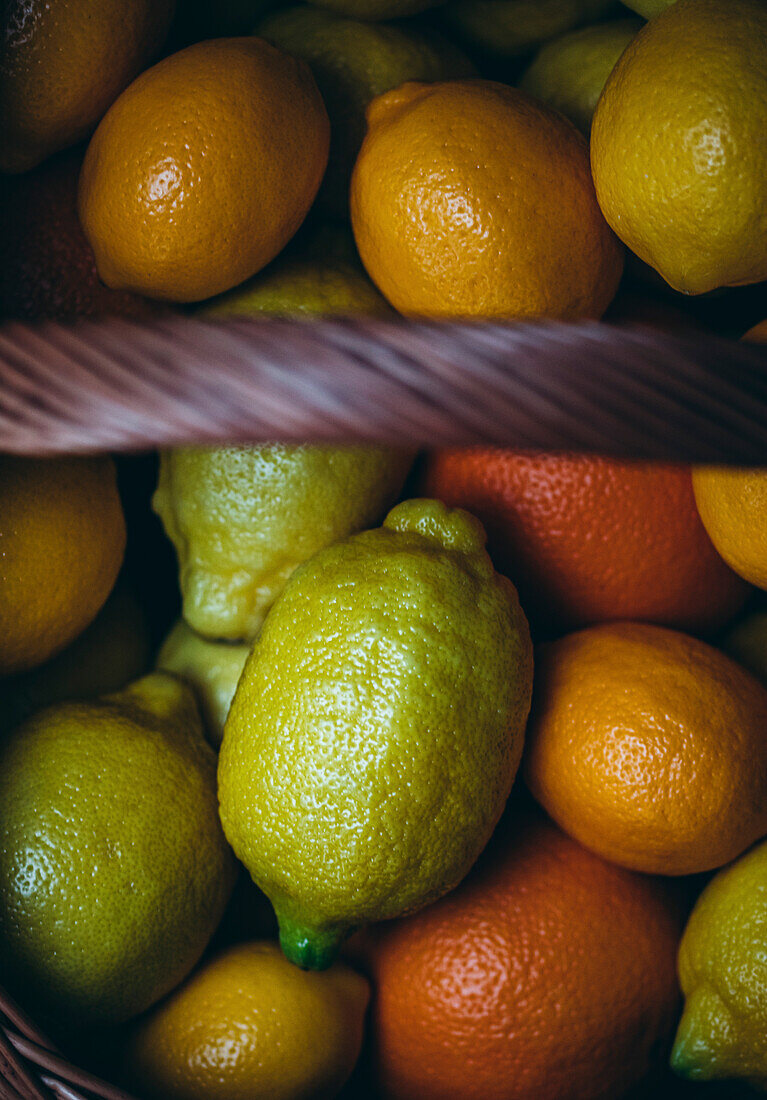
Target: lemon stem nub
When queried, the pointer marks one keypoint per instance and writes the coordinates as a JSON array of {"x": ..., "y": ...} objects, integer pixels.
[{"x": 310, "y": 948}]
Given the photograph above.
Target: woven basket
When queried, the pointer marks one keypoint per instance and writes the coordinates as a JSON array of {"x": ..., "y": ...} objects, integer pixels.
[{"x": 127, "y": 386}]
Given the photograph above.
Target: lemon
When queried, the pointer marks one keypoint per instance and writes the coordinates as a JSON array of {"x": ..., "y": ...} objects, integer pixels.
[
  {"x": 353, "y": 62},
  {"x": 377, "y": 9},
  {"x": 243, "y": 518},
  {"x": 511, "y": 27},
  {"x": 248, "y": 1025},
  {"x": 114, "y": 871},
  {"x": 212, "y": 669},
  {"x": 723, "y": 973},
  {"x": 296, "y": 284},
  {"x": 569, "y": 72},
  {"x": 677, "y": 144},
  {"x": 112, "y": 651},
  {"x": 377, "y": 727},
  {"x": 648, "y": 8}
]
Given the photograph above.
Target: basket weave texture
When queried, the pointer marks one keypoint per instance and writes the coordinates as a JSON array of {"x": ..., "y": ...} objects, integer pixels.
[{"x": 119, "y": 385}]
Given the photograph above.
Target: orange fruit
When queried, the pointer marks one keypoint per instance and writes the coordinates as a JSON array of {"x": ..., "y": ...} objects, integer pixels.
[
  {"x": 63, "y": 64},
  {"x": 548, "y": 974},
  {"x": 203, "y": 169},
  {"x": 588, "y": 539},
  {"x": 732, "y": 504},
  {"x": 62, "y": 538},
  {"x": 471, "y": 199},
  {"x": 648, "y": 746},
  {"x": 47, "y": 268}
]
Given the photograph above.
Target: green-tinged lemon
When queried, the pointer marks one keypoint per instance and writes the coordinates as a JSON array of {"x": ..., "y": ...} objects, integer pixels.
[
  {"x": 353, "y": 62},
  {"x": 377, "y": 727},
  {"x": 243, "y": 518},
  {"x": 212, "y": 668},
  {"x": 723, "y": 973},
  {"x": 569, "y": 73},
  {"x": 114, "y": 871},
  {"x": 512, "y": 27}
]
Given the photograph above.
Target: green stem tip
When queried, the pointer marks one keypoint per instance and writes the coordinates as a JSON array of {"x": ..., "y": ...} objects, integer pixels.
[{"x": 310, "y": 948}]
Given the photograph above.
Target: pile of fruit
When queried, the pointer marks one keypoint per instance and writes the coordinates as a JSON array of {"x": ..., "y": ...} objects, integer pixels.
[{"x": 436, "y": 775}]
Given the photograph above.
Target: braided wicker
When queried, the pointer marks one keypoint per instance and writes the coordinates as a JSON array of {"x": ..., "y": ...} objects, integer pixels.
[
  {"x": 127, "y": 386},
  {"x": 121, "y": 385}
]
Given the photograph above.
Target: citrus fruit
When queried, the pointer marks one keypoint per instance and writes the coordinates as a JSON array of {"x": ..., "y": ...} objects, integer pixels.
[
  {"x": 211, "y": 668},
  {"x": 249, "y": 1025},
  {"x": 512, "y": 27},
  {"x": 203, "y": 169},
  {"x": 353, "y": 62},
  {"x": 470, "y": 199},
  {"x": 110, "y": 653},
  {"x": 62, "y": 537},
  {"x": 568, "y": 73},
  {"x": 648, "y": 747},
  {"x": 724, "y": 979},
  {"x": 376, "y": 9},
  {"x": 746, "y": 643},
  {"x": 63, "y": 64},
  {"x": 114, "y": 871},
  {"x": 732, "y": 504},
  {"x": 677, "y": 144},
  {"x": 648, "y": 8},
  {"x": 243, "y": 518},
  {"x": 590, "y": 539},
  {"x": 377, "y": 727},
  {"x": 304, "y": 283},
  {"x": 548, "y": 974},
  {"x": 757, "y": 334},
  {"x": 47, "y": 268}
]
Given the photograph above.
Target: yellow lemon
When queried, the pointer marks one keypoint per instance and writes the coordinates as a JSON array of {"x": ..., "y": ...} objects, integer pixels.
[
  {"x": 62, "y": 537},
  {"x": 733, "y": 506},
  {"x": 678, "y": 149},
  {"x": 511, "y": 27},
  {"x": 569, "y": 73},
  {"x": 243, "y": 518},
  {"x": 249, "y": 1025},
  {"x": 377, "y": 727},
  {"x": 212, "y": 668},
  {"x": 114, "y": 872},
  {"x": 723, "y": 973},
  {"x": 353, "y": 62}
]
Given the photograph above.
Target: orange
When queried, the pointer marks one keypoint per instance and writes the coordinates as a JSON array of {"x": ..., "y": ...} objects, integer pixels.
[
  {"x": 649, "y": 747},
  {"x": 471, "y": 199},
  {"x": 249, "y": 1026},
  {"x": 47, "y": 268},
  {"x": 589, "y": 539},
  {"x": 62, "y": 538},
  {"x": 63, "y": 64},
  {"x": 732, "y": 504},
  {"x": 548, "y": 974},
  {"x": 203, "y": 169}
]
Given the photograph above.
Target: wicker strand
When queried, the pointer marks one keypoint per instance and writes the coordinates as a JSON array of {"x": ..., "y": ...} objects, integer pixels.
[{"x": 119, "y": 385}]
